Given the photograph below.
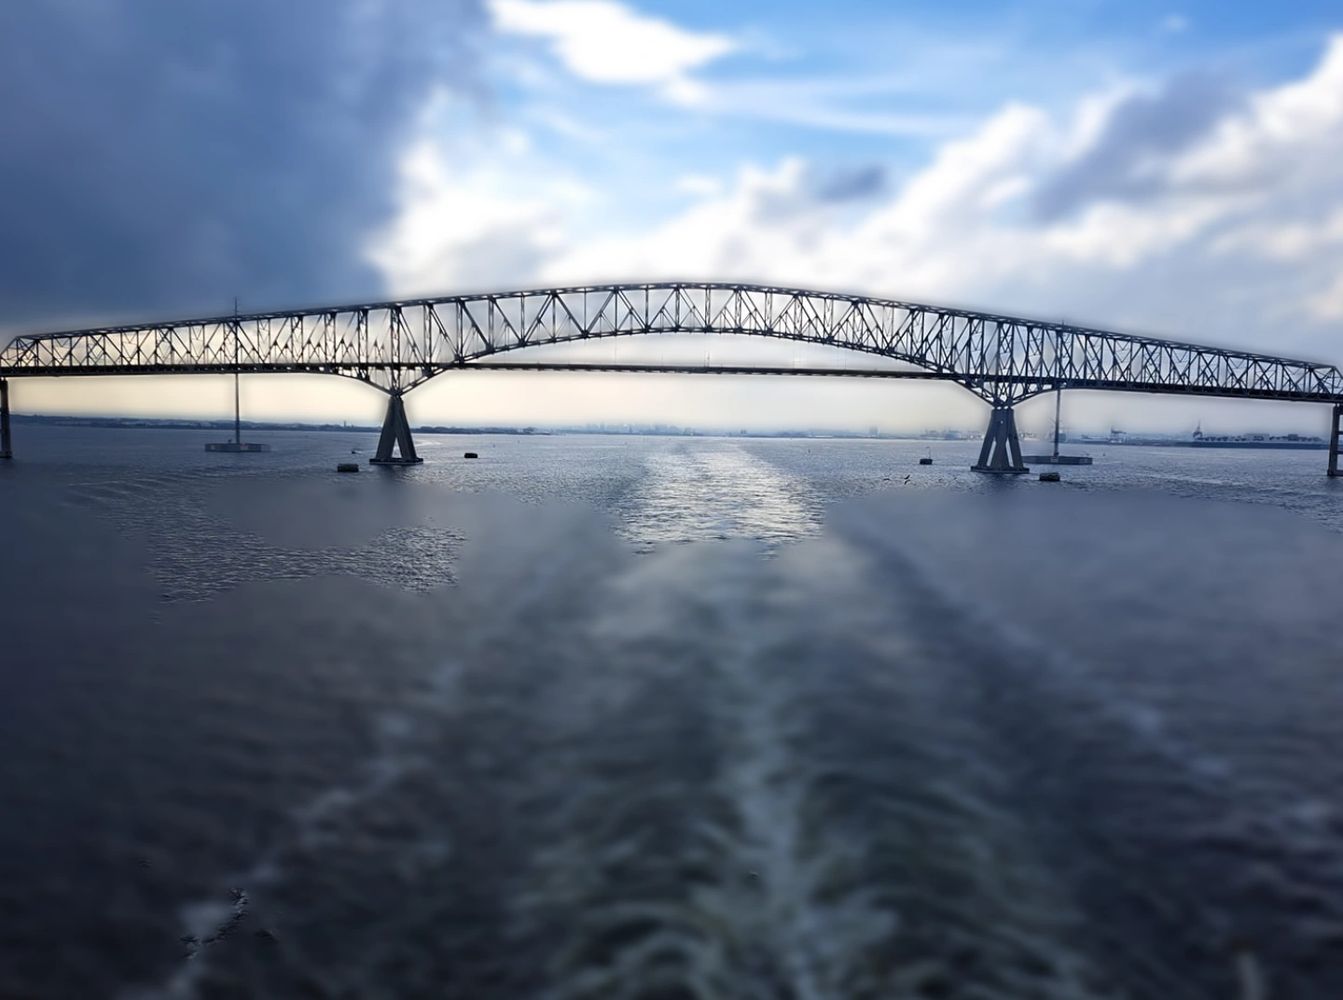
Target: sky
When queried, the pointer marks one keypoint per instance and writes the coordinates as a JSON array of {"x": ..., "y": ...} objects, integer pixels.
[{"x": 1149, "y": 167}]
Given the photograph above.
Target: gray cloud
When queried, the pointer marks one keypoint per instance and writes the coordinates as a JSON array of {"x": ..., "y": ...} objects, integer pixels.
[
  {"x": 851, "y": 184},
  {"x": 820, "y": 187},
  {"x": 168, "y": 154},
  {"x": 1142, "y": 127}
]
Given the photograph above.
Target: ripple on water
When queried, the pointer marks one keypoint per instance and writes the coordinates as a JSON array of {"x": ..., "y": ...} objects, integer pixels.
[{"x": 899, "y": 758}]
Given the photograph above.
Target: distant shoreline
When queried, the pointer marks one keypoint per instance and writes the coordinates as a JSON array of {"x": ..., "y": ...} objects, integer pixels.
[
  {"x": 1304, "y": 442},
  {"x": 171, "y": 423}
]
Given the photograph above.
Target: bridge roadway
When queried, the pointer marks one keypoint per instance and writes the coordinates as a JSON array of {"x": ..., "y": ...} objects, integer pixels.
[{"x": 397, "y": 345}]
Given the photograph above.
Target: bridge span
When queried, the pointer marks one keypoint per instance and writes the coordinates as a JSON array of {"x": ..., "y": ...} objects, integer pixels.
[{"x": 398, "y": 345}]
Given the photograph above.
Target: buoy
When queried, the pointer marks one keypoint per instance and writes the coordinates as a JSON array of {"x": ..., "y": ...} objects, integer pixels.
[
  {"x": 925, "y": 461},
  {"x": 1049, "y": 477},
  {"x": 470, "y": 454},
  {"x": 348, "y": 467}
]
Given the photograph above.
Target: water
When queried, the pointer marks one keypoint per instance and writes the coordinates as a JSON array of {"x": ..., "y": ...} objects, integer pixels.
[{"x": 628, "y": 717}]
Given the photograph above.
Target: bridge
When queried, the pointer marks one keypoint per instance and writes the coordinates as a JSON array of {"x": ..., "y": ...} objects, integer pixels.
[{"x": 398, "y": 345}]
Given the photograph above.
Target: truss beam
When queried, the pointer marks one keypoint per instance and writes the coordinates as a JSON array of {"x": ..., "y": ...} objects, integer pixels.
[{"x": 397, "y": 345}]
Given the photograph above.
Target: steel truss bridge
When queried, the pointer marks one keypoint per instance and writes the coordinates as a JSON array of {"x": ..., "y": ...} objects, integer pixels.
[{"x": 396, "y": 346}]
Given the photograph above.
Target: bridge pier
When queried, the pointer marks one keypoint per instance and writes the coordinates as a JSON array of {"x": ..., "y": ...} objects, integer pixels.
[
  {"x": 5, "y": 450},
  {"x": 395, "y": 436},
  {"x": 1001, "y": 453},
  {"x": 1334, "y": 432}
]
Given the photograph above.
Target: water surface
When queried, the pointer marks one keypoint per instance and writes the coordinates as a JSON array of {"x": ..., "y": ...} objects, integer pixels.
[{"x": 666, "y": 717}]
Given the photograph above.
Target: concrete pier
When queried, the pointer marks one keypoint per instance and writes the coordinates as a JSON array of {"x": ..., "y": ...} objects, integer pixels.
[
  {"x": 1334, "y": 431},
  {"x": 237, "y": 447},
  {"x": 1001, "y": 453},
  {"x": 1056, "y": 459},
  {"x": 6, "y": 450},
  {"x": 395, "y": 436}
]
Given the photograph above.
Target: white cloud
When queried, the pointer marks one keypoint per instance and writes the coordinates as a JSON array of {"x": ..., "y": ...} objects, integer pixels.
[
  {"x": 472, "y": 218},
  {"x": 1328, "y": 304},
  {"x": 607, "y": 42},
  {"x": 1234, "y": 235},
  {"x": 817, "y": 103},
  {"x": 1284, "y": 132},
  {"x": 1284, "y": 241},
  {"x": 1174, "y": 24},
  {"x": 811, "y": 112},
  {"x": 699, "y": 185}
]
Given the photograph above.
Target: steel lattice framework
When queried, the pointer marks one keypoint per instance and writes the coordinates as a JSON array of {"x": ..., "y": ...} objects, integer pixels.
[{"x": 398, "y": 345}]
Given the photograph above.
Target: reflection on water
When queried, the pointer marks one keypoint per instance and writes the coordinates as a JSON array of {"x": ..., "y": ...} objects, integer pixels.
[{"x": 409, "y": 736}]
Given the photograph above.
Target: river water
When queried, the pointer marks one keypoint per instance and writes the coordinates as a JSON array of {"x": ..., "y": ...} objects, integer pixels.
[{"x": 606, "y": 717}]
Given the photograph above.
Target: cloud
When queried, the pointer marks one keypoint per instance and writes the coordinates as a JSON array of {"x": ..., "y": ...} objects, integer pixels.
[
  {"x": 1286, "y": 132},
  {"x": 851, "y": 184},
  {"x": 871, "y": 106},
  {"x": 1176, "y": 209},
  {"x": 1328, "y": 304},
  {"x": 698, "y": 185},
  {"x": 610, "y": 43},
  {"x": 1128, "y": 158},
  {"x": 479, "y": 214},
  {"x": 767, "y": 224},
  {"x": 606, "y": 42},
  {"x": 162, "y": 155},
  {"x": 1174, "y": 24},
  {"x": 1285, "y": 240}
]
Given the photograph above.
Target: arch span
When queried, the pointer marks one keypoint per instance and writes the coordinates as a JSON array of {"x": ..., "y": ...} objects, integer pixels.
[{"x": 397, "y": 345}]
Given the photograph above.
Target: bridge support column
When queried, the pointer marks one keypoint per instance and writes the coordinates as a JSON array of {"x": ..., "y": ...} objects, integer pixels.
[
  {"x": 395, "y": 436},
  {"x": 5, "y": 450},
  {"x": 1334, "y": 431},
  {"x": 1001, "y": 453}
]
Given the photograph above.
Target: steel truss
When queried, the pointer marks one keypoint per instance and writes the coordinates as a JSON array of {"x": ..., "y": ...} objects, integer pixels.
[{"x": 398, "y": 345}]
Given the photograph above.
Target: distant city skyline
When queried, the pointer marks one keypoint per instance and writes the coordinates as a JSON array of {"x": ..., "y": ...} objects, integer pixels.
[
  {"x": 212, "y": 402},
  {"x": 1084, "y": 435},
  {"x": 1133, "y": 166}
]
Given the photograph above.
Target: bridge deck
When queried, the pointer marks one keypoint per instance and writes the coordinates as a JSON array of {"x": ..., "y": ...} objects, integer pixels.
[{"x": 396, "y": 345}]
